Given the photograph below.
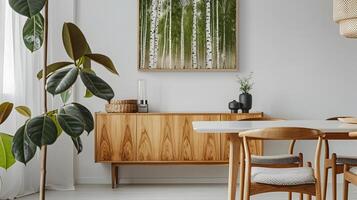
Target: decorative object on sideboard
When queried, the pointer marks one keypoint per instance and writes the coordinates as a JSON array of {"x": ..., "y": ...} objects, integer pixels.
[
  {"x": 234, "y": 106},
  {"x": 245, "y": 98},
  {"x": 188, "y": 36},
  {"x": 143, "y": 106},
  {"x": 345, "y": 14},
  {"x": 122, "y": 106}
]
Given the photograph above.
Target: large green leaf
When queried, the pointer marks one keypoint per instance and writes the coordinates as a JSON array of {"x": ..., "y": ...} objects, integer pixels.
[
  {"x": 5, "y": 110},
  {"x": 103, "y": 60},
  {"x": 87, "y": 64},
  {"x": 62, "y": 80},
  {"x": 74, "y": 41},
  {"x": 77, "y": 142},
  {"x": 97, "y": 86},
  {"x": 24, "y": 110},
  {"x": 53, "y": 67},
  {"x": 88, "y": 94},
  {"x": 22, "y": 147},
  {"x": 41, "y": 130},
  {"x": 6, "y": 157},
  {"x": 66, "y": 95},
  {"x": 70, "y": 124},
  {"x": 59, "y": 129},
  {"x": 82, "y": 113},
  {"x": 28, "y": 8},
  {"x": 33, "y": 32}
]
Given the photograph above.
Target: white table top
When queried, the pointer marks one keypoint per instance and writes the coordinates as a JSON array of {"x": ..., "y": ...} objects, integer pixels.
[{"x": 239, "y": 126}]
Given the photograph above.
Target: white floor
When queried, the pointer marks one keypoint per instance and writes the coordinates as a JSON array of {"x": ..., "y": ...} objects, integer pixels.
[{"x": 155, "y": 192}]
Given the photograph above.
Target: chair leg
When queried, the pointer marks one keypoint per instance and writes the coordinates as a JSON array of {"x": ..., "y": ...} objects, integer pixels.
[
  {"x": 334, "y": 178},
  {"x": 246, "y": 196},
  {"x": 309, "y": 164},
  {"x": 290, "y": 196},
  {"x": 346, "y": 183},
  {"x": 318, "y": 191},
  {"x": 334, "y": 184},
  {"x": 242, "y": 173},
  {"x": 345, "y": 190},
  {"x": 247, "y": 182},
  {"x": 301, "y": 196},
  {"x": 247, "y": 188},
  {"x": 325, "y": 181},
  {"x": 301, "y": 156},
  {"x": 318, "y": 197}
]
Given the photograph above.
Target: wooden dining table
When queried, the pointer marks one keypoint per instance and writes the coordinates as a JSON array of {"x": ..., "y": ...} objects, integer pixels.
[{"x": 333, "y": 130}]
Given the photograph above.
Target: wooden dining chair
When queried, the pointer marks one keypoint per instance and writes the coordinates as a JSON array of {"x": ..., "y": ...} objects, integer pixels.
[
  {"x": 278, "y": 161},
  {"x": 300, "y": 179},
  {"x": 335, "y": 163},
  {"x": 350, "y": 175}
]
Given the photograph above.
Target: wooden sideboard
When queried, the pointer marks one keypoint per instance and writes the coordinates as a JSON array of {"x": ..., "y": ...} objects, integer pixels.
[{"x": 162, "y": 138}]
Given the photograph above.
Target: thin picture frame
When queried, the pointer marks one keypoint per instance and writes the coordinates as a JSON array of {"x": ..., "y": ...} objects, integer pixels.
[{"x": 140, "y": 68}]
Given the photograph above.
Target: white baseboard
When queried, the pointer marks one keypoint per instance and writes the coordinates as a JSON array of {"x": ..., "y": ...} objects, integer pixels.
[
  {"x": 60, "y": 187},
  {"x": 158, "y": 180},
  {"x": 154, "y": 180},
  {"x": 50, "y": 187}
]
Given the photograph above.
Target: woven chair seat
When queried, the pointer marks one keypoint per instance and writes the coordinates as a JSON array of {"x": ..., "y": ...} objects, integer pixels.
[
  {"x": 277, "y": 159},
  {"x": 354, "y": 170},
  {"x": 283, "y": 176},
  {"x": 351, "y": 160}
]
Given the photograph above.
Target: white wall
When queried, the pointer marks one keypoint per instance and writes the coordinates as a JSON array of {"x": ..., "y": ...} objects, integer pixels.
[{"x": 303, "y": 69}]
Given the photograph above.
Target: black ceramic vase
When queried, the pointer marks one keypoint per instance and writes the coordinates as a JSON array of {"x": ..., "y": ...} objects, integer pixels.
[
  {"x": 246, "y": 100},
  {"x": 234, "y": 106}
]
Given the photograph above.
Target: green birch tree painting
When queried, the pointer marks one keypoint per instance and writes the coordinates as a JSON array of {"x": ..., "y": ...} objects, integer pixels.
[{"x": 187, "y": 35}]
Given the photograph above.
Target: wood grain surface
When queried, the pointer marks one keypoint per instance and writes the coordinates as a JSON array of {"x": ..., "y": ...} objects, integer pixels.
[{"x": 155, "y": 138}]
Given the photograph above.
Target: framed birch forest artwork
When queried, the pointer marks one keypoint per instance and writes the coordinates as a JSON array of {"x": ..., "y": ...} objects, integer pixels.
[{"x": 188, "y": 35}]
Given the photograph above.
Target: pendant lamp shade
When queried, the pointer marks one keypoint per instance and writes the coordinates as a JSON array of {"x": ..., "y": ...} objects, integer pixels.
[{"x": 345, "y": 14}]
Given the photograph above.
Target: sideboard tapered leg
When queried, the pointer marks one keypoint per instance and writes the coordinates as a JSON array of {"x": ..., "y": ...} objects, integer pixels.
[
  {"x": 113, "y": 176},
  {"x": 117, "y": 175}
]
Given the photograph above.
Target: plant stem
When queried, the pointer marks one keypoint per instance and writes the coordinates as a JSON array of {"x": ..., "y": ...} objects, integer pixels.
[
  {"x": 43, "y": 172},
  {"x": 44, "y": 147}
]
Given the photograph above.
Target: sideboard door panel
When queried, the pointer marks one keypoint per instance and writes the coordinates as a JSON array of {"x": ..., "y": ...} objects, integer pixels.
[
  {"x": 168, "y": 147},
  {"x": 138, "y": 138},
  {"x": 156, "y": 139},
  {"x": 115, "y": 138},
  {"x": 256, "y": 146},
  {"x": 196, "y": 146}
]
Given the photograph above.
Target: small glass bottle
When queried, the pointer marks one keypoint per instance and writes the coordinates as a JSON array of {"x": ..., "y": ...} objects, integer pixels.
[{"x": 142, "y": 97}]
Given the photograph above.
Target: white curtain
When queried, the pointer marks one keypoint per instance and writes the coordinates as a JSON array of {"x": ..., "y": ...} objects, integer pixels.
[{"x": 19, "y": 85}]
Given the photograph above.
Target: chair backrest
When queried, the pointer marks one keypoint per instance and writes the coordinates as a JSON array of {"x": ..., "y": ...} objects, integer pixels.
[
  {"x": 353, "y": 134},
  {"x": 336, "y": 118},
  {"x": 292, "y": 143},
  {"x": 262, "y": 119},
  {"x": 282, "y": 133}
]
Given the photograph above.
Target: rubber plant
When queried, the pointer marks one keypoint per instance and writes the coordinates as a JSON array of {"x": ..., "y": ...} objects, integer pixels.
[
  {"x": 6, "y": 157},
  {"x": 58, "y": 78}
]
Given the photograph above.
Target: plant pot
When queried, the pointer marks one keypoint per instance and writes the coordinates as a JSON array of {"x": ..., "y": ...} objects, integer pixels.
[
  {"x": 234, "y": 106},
  {"x": 246, "y": 100}
]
